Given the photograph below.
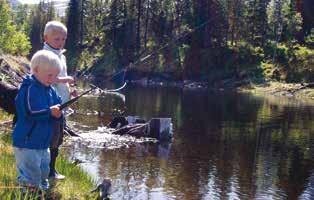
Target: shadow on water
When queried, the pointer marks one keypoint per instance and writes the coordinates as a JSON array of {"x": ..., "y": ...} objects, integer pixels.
[{"x": 225, "y": 146}]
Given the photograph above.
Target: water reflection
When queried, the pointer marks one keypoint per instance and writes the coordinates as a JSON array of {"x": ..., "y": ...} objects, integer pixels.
[
  {"x": 308, "y": 193},
  {"x": 226, "y": 146}
]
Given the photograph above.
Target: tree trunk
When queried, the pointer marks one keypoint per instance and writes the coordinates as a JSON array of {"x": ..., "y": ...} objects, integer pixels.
[{"x": 138, "y": 34}]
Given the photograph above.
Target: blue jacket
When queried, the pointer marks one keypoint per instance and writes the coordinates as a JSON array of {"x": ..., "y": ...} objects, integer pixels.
[{"x": 34, "y": 126}]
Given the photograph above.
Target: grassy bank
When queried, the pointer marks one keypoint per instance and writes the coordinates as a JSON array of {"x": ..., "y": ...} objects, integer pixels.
[{"x": 76, "y": 185}]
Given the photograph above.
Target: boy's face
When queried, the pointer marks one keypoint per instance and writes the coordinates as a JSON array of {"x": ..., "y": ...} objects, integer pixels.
[
  {"x": 56, "y": 39},
  {"x": 46, "y": 75}
]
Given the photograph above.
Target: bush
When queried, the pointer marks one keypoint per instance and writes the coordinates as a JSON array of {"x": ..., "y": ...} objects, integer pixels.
[
  {"x": 11, "y": 40},
  {"x": 278, "y": 52},
  {"x": 301, "y": 64}
]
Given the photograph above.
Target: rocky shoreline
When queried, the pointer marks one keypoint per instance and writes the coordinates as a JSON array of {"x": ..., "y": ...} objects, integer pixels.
[{"x": 298, "y": 91}]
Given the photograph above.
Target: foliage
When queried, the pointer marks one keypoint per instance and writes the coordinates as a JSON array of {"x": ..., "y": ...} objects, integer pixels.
[
  {"x": 188, "y": 38},
  {"x": 268, "y": 69},
  {"x": 293, "y": 63},
  {"x": 11, "y": 40},
  {"x": 310, "y": 40},
  {"x": 4, "y": 116},
  {"x": 40, "y": 15},
  {"x": 21, "y": 18},
  {"x": 276, "y": 53},
  {"x": 301, "y": 64}
]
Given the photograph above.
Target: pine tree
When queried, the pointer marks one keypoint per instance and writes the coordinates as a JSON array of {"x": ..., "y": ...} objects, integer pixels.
[
  {"x": 256, "y": 20},
  {"x": 74, "y": 30}
]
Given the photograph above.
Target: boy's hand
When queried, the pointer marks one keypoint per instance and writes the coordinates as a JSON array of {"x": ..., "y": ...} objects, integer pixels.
[
  {"x": 55, "y": 111},
  {"x": 74, "y": 93}
]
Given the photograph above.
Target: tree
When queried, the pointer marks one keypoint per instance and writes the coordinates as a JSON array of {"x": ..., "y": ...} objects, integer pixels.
[
  {"x": 74, "y": 30},
  {"x": 235, "y": 20},
  {"x": 11, "y": 40},
  {"x": 293, "y": 20},
  {"x": 307, "y": 16},
  {"x": 40, "y": 15},
  {"x": 256, "y": 20},
  {"x": 21, "y": 18}
]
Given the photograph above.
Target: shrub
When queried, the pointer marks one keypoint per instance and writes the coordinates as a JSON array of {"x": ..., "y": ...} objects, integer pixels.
[{"x": 11, "y": 40}]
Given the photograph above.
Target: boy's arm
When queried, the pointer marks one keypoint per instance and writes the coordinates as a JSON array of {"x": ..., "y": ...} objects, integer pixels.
[
  {"x": 65, "y": 79},
  {"x": 32, "y": 108}
]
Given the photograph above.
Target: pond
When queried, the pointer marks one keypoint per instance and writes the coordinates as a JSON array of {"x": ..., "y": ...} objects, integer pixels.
[{"x": 225, "y": 145}]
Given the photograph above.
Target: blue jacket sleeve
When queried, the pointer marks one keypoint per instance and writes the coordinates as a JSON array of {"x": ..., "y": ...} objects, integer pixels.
[{"x": 35, "y": 104}]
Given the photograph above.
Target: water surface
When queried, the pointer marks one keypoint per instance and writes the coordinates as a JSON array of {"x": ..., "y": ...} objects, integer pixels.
[{"x": 225, "y": 146}]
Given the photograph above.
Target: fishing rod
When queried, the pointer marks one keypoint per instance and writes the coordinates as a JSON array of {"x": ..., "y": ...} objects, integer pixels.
[
  {"x": 75, "y": 99},
  {"x": 93, "y": 87}
]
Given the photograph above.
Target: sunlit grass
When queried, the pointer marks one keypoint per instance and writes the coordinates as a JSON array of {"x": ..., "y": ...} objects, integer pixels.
[
  {"x": 77, "y": 184},
  {"x": 4, "y": 116}
]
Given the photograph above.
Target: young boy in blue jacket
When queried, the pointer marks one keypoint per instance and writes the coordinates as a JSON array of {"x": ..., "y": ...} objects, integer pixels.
[{"x": 37, "y": 105}]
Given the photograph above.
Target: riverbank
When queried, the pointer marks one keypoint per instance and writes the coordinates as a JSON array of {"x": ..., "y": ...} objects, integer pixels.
[
  {"x": 298, "y": 91},
  {"x": 77, "y": 184}
]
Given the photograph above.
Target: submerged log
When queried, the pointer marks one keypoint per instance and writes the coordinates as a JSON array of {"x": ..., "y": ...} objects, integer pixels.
[
  {"x": 137, "y": 130},
  {"x": 159, "y": 128},
  {"x": 70, "y": 132}
]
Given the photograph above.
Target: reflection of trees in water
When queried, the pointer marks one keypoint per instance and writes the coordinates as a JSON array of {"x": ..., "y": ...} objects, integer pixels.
[
  {"x": 82, "y": 152},
  {"x": 263, "y": 140},
  {"x": 224, "y": 146},
  {"x": 135, "y": 170},
  {"x": 97, "y": 110},
  {"x": 308, "y": 193},
  {"x": 152, "y": 102}
]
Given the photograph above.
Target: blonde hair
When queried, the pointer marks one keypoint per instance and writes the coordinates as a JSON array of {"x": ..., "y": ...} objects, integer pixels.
[
  {"x": 53, "y": 26},
  {"x": 45, "y": 59}
]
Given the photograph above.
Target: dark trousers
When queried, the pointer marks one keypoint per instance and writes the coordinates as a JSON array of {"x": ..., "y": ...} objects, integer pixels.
[{"x": 56, "y": 141}]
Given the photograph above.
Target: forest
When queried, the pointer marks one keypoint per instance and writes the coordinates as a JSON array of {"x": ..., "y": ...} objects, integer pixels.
[{"x": 205, "y": 40}]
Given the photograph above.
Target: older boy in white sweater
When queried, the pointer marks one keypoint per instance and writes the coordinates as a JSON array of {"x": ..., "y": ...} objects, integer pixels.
[{"x": 55, "y": 35}]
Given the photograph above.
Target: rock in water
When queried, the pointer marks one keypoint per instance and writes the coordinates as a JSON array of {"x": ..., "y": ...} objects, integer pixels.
[{"x": 160, "y": 128}]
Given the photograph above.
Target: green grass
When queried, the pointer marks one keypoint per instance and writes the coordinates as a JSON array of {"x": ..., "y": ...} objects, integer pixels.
[
  {"x": 77, "y": 184},
  {"x": 5, "y": 116}
]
